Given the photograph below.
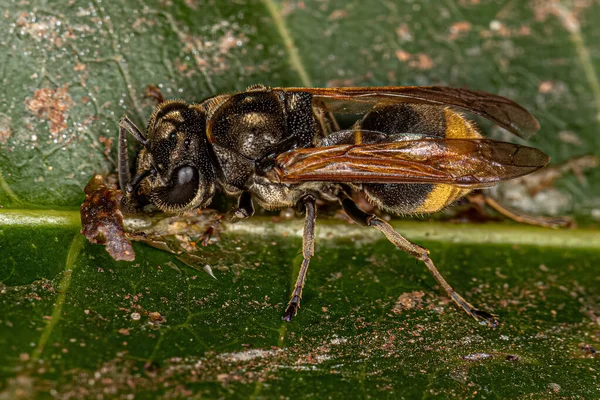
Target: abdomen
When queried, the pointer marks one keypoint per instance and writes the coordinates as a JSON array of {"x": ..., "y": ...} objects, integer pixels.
[{"x": 401, "y": 122}]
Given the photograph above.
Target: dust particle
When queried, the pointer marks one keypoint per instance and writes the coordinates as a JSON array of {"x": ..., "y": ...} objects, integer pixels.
[
  {"x": 245, "y": 356},
  {"x": 418, "y": 61},
  {"x": 476, "y": 356},
  {"x": 555, "y": 387}
]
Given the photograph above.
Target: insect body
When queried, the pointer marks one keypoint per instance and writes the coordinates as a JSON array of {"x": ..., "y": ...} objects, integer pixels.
[{"x": 408, "y": 151}]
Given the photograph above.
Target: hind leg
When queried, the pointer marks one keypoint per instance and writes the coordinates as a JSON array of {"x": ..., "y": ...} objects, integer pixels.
[
  {"x": 418, "y": 252},
  {"x": 480, "y": 199}
]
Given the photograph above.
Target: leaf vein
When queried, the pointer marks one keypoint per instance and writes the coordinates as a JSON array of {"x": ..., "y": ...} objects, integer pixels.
[
  {"x": 288, "y": 42},
  {"x": 77, "y": 245}
]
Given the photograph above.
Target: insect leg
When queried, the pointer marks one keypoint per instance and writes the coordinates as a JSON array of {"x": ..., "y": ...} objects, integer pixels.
[
  {"x": 123, "y": 160},
  {"x": 244, "y": 210},
  {"x": 480, "y": 199},
  {"x": 418, "y": 252},
  {"x": 308, "y": 250}
]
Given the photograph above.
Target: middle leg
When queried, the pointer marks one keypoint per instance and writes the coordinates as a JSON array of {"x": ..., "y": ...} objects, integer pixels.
[{"x": 308, "y": 250}]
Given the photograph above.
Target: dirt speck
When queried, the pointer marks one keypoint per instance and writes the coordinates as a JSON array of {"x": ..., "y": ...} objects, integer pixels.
[
  {"x": 79, "y": 67},
  {"x": 545, "y": 86},
  {"x": 459, "y": 29},
  {"x": 588, "y": 349},
  {"x": 402, "y": 55},
  {"x": 52, "y": 105},
  {"x": 417, "y": 61},
  {"x": 193, "y": 4},
  {"x": 409, "y": 301},
  {"x": 156, "y": 318},
  {"x": 555, "y": 387},
  {"x": 338, "y": 14},
  {"x": 5, "y": 129},
  {"x": 570, "y": 137}
]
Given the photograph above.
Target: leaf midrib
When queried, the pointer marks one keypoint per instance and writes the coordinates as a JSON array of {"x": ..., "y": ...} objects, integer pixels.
[{"x": 330, "y": 229}]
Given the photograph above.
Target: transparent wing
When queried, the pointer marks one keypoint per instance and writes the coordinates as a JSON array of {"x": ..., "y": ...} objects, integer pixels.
[{"x": 359, "y": 100}]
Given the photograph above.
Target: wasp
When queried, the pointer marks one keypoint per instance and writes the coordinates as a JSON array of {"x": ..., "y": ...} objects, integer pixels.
[{"x": 408, "y": 150}]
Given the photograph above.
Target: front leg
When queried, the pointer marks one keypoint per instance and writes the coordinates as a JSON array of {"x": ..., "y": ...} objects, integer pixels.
[{"x": 244, "y": 210}]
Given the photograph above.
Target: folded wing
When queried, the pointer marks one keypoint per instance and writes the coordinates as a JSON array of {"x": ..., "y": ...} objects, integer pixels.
[{"x": 468, "y": 163}]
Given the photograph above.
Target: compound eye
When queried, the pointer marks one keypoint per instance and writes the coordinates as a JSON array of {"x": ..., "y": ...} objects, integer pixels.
[
  {"x": 179, "y": 195},
  {"x": 185, "y": 175}
]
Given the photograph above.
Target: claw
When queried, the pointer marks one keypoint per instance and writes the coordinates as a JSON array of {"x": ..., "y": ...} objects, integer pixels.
[
  {"x": 291, "y": 310},
  {"x": 486, "y": 318},
  {"x": 205, "y": 238}
]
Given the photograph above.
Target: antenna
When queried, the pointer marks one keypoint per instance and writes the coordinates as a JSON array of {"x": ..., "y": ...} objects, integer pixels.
[{"x": 125, "y": 126}]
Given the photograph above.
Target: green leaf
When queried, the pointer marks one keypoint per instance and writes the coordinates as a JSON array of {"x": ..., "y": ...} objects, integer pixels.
[
  {"x": 372, "y": 319},
  {"x": 69, "y": 325}
]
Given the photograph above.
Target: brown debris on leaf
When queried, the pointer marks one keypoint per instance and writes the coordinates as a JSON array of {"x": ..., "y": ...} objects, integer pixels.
[
  {"x": 104, "y": 223},
  {"x": 52, "y": 105},
  {"x": 409, "y": 301},
  {"x": 102, "y": 219}
]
